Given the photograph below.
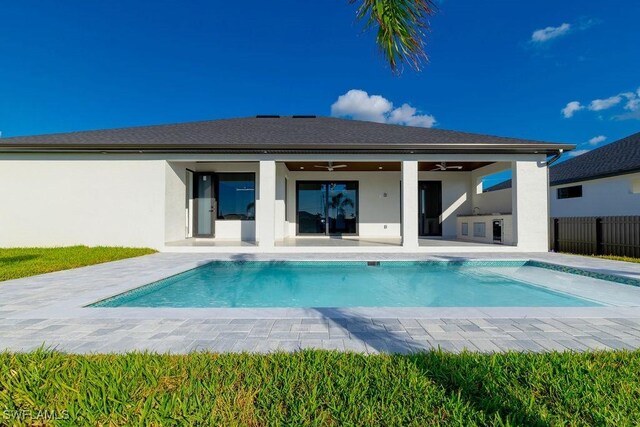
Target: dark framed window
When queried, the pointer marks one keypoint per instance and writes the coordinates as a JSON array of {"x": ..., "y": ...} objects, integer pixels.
[
  {"x": 570, "y": 192},
  {"x": 236, "y": 196}
]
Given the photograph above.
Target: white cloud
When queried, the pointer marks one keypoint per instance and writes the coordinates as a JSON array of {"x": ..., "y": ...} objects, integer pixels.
[
  {"x": 546, "y": 34},
  {"x": 633, "y": 100},
  {"x": 603, "y": 104},
  {"x": 632, "y": 104},
  {"x": 359, "y": 105},
  {"x": 576, "y": 153},
  {"x": 406, "y": 115},
  {"x": 571, "y": 108},
  {"x": 597, "y": 139}
]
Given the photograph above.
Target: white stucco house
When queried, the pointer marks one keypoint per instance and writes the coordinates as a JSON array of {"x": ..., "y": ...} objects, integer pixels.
[
  {"x": 274, "y": 184},
  {"x": 602, "y": 182}
]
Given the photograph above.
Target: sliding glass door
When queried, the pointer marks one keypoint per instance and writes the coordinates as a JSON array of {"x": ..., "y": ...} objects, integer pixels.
[{"x": 327, "y": 208}]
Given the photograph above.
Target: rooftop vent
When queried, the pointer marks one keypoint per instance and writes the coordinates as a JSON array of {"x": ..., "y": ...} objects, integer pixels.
[
  {"x": 310, "y": 116},
  {"x": 267, "y": 116}
]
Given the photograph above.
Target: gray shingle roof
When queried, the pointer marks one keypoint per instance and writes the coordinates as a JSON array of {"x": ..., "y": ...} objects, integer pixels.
[
  {"x": 273, "y": 133},
  {"x": 499, "y": 186},
  {"x": 619, "y": 157},
  {"x": 622, "y": 156}
]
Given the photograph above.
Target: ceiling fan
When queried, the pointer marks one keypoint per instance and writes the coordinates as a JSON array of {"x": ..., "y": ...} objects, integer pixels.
[
  {"x": 331, "y": 166},
  {"x": 443, "y": 167}
]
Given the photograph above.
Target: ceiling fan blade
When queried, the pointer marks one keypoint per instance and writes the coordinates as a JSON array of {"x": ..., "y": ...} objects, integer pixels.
[
  {"x": 339, "y": 166},
  {"x": 320, "y": 166},
  {"x": 454, "y": 167},
  {"x": 436, "y": 169}
]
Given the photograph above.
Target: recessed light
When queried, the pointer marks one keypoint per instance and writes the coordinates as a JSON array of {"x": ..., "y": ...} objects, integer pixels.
[
  {"x": 301, "y": 167},
  {"x": 379, "y": 167}
]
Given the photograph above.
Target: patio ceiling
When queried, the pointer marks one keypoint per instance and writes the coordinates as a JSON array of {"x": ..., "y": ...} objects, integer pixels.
[{"x": 376, "y": 166}]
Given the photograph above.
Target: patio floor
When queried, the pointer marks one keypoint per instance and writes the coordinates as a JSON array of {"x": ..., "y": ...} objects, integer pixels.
[
  {"x": 50, "y": 310},
  {"x": 311, "y": 244}
]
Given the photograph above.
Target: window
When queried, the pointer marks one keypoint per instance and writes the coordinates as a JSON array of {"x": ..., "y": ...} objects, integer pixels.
[
  {"x": 465, "y": 228},
  {"x": 494, "y": 181},
  {"x": 236, "y": 194},
  {"x": 570, "y": 192},
  {"x": 479, "y": 229}
]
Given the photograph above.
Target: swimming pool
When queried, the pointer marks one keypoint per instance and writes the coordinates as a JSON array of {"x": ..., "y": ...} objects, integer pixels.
[{"x": 354, "y": 284}]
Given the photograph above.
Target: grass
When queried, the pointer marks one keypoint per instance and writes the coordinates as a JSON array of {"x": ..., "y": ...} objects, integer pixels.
[
  {"x": 618, "y": 258},
  {"x": 23, "y": 262},
  {"x": 324, "y": 388}
]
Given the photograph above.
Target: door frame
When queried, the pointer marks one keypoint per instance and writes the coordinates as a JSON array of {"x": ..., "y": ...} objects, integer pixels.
[
  {"x": 196, "y": 204},
  {"x": 326, "y": 209},
  {"x": 421, "y": 214}
]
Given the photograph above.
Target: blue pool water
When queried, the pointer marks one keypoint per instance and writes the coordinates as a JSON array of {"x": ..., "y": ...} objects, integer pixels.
[{"x": 347, "y": 284}]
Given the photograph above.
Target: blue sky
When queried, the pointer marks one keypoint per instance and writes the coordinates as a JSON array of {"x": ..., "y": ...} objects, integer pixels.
[{"x": 77, "y": 65}]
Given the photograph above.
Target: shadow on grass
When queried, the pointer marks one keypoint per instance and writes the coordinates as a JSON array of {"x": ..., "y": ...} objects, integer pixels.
[
  {"x": 472, "y": 377},
  {"x": 17, "y": 259},
  {"x": 467, "y": 375}
]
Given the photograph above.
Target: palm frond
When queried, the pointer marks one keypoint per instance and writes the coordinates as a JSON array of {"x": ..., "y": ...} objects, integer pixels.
[{"x": 402, "y": 26}]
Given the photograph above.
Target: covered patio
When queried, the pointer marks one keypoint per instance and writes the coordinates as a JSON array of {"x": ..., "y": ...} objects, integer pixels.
[{"x": 353, "y": 204}]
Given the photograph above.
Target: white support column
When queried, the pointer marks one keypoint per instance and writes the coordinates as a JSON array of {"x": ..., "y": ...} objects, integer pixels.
[
  {"x": 267, "y": 204},
  {"x": 530, "y": 204},
  {"x": 410, "y": 204}
]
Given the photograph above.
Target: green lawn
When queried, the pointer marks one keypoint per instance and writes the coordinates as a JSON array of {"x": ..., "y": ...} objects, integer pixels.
[
  {"x": 618, "y": 258},
  {"x": 325, "y": 388},
  {"x": 22, "y": 262}
]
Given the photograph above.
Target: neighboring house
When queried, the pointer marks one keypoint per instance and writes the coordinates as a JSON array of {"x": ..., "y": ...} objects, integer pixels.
[
  {"x": 602, "y": 182},
  {"x": 270, "y": 183}
]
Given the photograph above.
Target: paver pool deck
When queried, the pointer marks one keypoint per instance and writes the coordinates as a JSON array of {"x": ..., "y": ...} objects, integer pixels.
[{"x": 50, "y": 310}]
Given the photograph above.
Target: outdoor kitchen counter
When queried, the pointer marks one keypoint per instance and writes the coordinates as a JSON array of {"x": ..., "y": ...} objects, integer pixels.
[{"x": 480, "y": 228}]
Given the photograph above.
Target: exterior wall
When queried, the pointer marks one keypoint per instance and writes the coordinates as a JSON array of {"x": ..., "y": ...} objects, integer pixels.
[
  {"x": 530, "y": 202},
  {"x": 82, "y": 202},
  {"x": 282, "y": 192},
  {"x": 614, "y": 196},
  {"x": 176, "y": 206}
]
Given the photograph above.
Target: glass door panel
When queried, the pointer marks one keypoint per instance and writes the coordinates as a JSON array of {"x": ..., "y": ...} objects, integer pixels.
[
  {"x": 312, "y": 207},
  {"x": 205, "y": 205},
  {"x": 430, "y": 208},
  {"x": 342, "y": 203}
]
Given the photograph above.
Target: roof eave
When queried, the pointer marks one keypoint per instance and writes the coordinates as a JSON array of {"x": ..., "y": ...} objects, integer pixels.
[{"x": 520, "y": 148}]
